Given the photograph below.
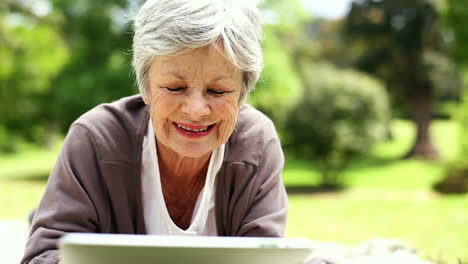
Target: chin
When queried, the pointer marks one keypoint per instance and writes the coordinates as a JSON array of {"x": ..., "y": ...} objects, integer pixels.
[{"x": 194, "y": 152}]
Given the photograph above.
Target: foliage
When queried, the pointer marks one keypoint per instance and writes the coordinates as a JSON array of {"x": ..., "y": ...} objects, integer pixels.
[
  {"x": 336, "y": 119},
  {"x": 402, "y": 37},
  {"x": 456, "y": 177},
  {"x": 462, "y": 117},
  {"x": 395, "y": 27},
  {"x": 280, "y": 86},
  {"x": 457, "y": 18},
  {"x": 99, "y": 69},
  {"x": 58, "y": 63},
  {"x": 333, "y": 46},
  {"x": 287, "y": 16},
  {"x": 31, "y": 55},
  {"x": 406, "y": 48}
]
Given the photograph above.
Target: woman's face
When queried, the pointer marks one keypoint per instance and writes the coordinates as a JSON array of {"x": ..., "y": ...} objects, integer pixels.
[{"x": 194, "y": 101}]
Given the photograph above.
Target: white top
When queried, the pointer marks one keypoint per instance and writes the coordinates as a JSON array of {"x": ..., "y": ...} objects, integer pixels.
[{"x": 157, "y": 218}]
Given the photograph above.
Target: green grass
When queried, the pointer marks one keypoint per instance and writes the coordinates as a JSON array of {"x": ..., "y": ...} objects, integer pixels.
[
  {"x": 437, "y": 226},
  {"x": 386, "y": 196},
  {"x": 23, "y": 177}
]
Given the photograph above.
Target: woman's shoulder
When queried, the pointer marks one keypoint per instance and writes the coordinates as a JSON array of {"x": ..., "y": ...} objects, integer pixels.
[
  {"x": 250, "y": 116},
  {"x": 253, "y": 132},
  {"x": 116, "y": 125},
  {"x": 125, "y": 111}
]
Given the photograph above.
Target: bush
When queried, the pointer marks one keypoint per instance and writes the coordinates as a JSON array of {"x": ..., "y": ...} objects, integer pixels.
[
  {"x": 463, "y": 123},
  {"x": 456, "y": 177},
  {"x": 7, "y": 142},
  {"x": 339, "y": 116},
  {"x": 280, "y": 86}
]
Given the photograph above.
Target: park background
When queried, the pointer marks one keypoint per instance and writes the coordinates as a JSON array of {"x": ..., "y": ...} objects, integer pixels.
[{"x": 369, "y": 97}]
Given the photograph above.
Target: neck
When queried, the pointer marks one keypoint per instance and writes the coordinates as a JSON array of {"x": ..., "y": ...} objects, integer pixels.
[{"x": 173, "y": 165}]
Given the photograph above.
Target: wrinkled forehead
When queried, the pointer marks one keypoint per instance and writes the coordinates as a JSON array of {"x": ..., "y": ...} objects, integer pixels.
[{"x": 207, "y": 62}]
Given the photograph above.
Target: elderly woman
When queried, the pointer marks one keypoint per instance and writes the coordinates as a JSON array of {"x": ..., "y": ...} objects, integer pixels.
[{"x": 187, "y": 157}]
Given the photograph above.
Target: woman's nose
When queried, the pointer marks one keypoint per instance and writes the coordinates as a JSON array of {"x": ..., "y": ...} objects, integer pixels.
[{"x": 196, "y": 107}]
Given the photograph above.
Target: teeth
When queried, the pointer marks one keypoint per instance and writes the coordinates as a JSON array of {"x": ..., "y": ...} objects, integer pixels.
[{"x": 191, "y": 129}]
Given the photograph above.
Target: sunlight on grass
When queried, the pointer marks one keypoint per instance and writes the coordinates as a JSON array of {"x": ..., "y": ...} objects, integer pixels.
[
  {"x": 443, "y": 132},
  {"x": 403, "y": 133},
  {"x": 18, "y": 198},
  {"x": 30, "y": 163},
  {"x": 406, "y": 174},
  {"x": 300, "y": 172},
  {"x": 23, "y": 177},
  {"x": 386, "y": 197},
  {"x": 437, "y": 226},
  {"x": 389, "y": 171}
]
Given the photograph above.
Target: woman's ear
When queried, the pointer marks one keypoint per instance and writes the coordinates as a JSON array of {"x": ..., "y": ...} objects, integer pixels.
[{"x": 145, "y": 100}]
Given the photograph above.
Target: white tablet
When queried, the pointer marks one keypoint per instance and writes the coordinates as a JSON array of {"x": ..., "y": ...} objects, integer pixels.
[{"x": 80, "y": 248}]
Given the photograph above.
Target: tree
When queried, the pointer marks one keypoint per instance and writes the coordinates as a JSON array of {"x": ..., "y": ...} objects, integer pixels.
[
  {"x": 99, "y": 37},
  {"x": 456, "y": 176},
  {"x": 406, "y": 49},
  {"x": 457, "y": 19},
  {"x": 60, "y": 60},
  {"x": 32, "y": 52},
  {"x": 280, "y": 86},
  {"x": 340, "y": 115}
]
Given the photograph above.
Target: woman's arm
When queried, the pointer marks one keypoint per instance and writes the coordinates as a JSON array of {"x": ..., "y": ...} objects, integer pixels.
[
  {"x": 268, "y": 201},
  {"x": 66, "y": 205}
]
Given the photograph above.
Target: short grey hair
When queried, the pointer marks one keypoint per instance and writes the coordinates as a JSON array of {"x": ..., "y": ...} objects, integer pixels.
[{"x": 171, "y": 27}]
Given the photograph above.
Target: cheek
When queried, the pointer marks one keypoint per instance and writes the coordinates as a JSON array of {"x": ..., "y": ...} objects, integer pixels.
[
  {"x": 228, "y": 110},
  {"x": 159, "y": 112}
]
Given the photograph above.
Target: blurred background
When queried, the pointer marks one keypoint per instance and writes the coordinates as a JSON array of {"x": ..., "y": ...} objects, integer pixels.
[{"x": 370, "y": 98}]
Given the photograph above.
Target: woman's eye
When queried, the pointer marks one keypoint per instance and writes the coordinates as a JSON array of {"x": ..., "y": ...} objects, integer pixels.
[
  {"x": 175, "y": 89},
  {"x": 217, "y": 92}
]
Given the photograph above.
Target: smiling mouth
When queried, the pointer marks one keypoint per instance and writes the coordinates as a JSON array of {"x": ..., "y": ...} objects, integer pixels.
[{"x": 194, "y": 129}]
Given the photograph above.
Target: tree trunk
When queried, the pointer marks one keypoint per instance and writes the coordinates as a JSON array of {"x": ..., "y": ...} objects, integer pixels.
[{"x": 420, "y": 103}]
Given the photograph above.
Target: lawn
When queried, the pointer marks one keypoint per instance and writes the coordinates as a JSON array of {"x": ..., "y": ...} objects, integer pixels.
[
  {"x": 386, "y": 196},
  {"x": 23, "y": 177}
]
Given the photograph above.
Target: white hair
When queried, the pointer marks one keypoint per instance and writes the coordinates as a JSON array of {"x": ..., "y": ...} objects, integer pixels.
[{"x": 172, "y": 27}]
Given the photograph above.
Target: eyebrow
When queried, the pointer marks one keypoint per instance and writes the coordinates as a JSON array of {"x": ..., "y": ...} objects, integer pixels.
[{"x": 182, "y": 77}]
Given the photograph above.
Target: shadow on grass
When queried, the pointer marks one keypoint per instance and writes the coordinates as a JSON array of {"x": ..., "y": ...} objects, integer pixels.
[
  {"x": 40, "y": 177},
  {"x": 355, "y": 164},
  {"x": 366, "y": 162},
  {"x": 313, "y": 189}
]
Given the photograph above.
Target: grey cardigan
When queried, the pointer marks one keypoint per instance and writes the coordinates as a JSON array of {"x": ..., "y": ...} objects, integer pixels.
[{"x": 95, "y": 185}]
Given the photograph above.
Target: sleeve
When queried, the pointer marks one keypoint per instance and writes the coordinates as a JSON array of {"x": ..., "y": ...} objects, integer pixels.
[
  {"x": 66, "y": 205},
  {"x": 267, "y": 214}
]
